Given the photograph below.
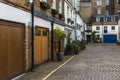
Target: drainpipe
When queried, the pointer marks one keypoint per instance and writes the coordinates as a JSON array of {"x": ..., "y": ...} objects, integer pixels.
[
  {"x": 32, "y": 36},
  {"x": 52, "y": 38},
  {"x": 76, "y": 26}
]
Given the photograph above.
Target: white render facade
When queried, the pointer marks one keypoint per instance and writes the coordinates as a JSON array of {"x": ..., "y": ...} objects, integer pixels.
[
  {"x": 79, "y": 28},
  {"x": 69, "y": 13},
  {"x": 76, "y": 24},
  {"x": 100, "y": 30}
]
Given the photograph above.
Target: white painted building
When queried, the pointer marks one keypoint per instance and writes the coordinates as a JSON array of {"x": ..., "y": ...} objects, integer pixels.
[
  {"x": 111, "y": 30},
  {"x": 42, "y": 23},
  {"x": 79, "y": 28},
  {"x": 75, "y": 24},
  {"x": 79, "y": 23},
  {"x": 69, "y": 12},
  {"x": 119, "y": 29},
  {"x": 106, "y": 28}
]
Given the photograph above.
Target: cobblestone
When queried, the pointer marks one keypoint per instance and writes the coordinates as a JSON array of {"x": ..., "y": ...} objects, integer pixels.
[
  {"x": 97, "y": 62},
  {"x": 43, "y": 70}
]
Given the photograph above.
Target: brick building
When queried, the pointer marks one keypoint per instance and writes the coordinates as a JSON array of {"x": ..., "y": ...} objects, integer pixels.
[
  {"x": 15, "y": 34},
  {"x": 103, "y": 17}
]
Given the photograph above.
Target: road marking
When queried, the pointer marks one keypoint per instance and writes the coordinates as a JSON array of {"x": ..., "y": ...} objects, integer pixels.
[
  {"x": 18, "y": 76},
  {"x": 45, "y": 78}
]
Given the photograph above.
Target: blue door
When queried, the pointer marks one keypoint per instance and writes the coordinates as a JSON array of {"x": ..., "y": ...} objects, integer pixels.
[{"x": 110, "y": 38}]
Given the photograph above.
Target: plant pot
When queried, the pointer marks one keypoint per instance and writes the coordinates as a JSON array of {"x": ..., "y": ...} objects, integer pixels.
[{"x": 60, "y": 56}]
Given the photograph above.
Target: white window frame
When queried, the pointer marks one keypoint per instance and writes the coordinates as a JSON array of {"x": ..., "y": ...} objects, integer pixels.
[
  {"x": 97, "y": 27},
  {"x": 68, "y": 11},
  {"x": 112, "y": 27},
  {"x": 43, "y": 0},
  {"x": 105, "y": 27},
  {"x": 107, "y": 2},
  {"x": 107, "y": 12},
  {"x": 97, "y": 19},
  {"x": 99, "y": 10},
  {"x": 53, "y": 6},
  {"x": 99, "y": 2},
  {"x": 60, "y": 6}
]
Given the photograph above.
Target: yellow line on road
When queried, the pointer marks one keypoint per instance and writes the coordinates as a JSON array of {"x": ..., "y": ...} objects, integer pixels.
[{"x": 45, "y": 78}]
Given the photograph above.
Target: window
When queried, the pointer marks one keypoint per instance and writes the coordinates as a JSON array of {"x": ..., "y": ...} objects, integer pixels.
[
  {"x": 94, "y": 19},
  {"x": 44, "y": 33},
  {"x": 105, "y": 19},
  {"x": 99, "y": 10},
  {"x": 118, "y": 12},
  {"x": 107, "y": 2},
  {"x": 99, "y": 2},
  {"x": 37, "y": 32},
  {"x": 60, "y": 6},
  {"x": 112, "y": 18},
  {"x": 113, "y": 28},
  {"x": 97, "y": 19},
  {"x": 97, "y": 28},
  {"x": 116, "y": 18},
  {"x": 105, "y": 27},
  {"x": 67, "y": 10},
  {"x": 101, "y": 19},
  {"x": 108, "y": 19},
  {"x": 53, "y": 4},
  {"x": 107, "y": 12},
  {"x": 118, "y": 1},
  {"x": 43, "y": 0},
  {"x": 78, "y": 3},
  {"x": 77, "y": 26},
  {"x": 71, "y": 13}
]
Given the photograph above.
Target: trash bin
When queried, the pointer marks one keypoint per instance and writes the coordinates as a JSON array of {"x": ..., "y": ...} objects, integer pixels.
[{"x": 60, "y": 56}]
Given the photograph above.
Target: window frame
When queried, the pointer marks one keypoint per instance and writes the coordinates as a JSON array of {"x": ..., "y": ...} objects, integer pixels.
[
  {"x": 99, "y": 2},
  {"x": 97, "y": 27},
  {"x": 112, "y": 27}
]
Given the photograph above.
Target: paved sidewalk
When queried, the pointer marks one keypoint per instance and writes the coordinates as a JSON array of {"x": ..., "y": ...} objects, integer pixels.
[
  {"x": 97, "y": 62},
  {"x": 44, "y": 69}
]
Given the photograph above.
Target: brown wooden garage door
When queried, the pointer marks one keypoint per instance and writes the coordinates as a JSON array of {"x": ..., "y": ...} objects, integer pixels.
[
  {"x": 41, "y": 45},
  {"x": 11, "y": 49}
]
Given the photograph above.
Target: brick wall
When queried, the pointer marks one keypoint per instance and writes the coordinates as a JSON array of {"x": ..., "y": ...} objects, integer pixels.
[
  {"x": 116, "y": 6},
  {"x": 95, "y": 7},
  {"x": 86, "y": 14}
]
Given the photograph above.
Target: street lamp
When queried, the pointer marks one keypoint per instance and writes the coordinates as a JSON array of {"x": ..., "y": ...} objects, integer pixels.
[{"x": 32, "y": 34}]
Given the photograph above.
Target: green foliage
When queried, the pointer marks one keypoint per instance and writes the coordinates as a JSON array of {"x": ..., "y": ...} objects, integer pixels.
[
  {"x": 59, "y": 34},
  {"x": 95, "y": 38},
  {"x": 69, "y": 47},
  {"x": 76, "y": 46},
  {"x": 69, "y": 38}
]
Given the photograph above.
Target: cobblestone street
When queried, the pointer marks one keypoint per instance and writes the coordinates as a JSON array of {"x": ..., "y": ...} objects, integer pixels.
[{"x": 97, "y": 62}]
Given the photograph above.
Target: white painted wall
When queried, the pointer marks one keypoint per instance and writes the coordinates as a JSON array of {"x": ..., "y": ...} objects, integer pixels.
[
  {"x": 13, "y": 14},
  {"x": 79, "y": 21},
  {"x": 109, "y": 31},
  {"x": 119, "y": 28},
  {"x": 71, "y": 15}
]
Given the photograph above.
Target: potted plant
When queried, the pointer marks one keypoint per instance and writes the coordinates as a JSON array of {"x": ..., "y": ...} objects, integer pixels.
[
  {"x": 59, "y": 36},
  {"x": 76, "y": 47},
  {"x": 68, "y": 49}
]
